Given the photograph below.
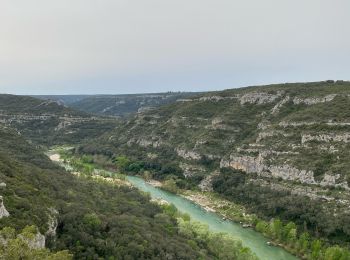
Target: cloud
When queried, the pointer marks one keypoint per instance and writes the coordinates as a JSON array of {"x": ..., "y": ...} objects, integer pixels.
[{"x": 118, "y": 46}]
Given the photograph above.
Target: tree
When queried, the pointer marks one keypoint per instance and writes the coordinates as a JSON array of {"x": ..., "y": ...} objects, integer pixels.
[
  {"x": 289, "y": 232},
  {"x": 17, "y": 247},
  {"x": 316, "y": 250},
  {"x": 170, "y": 185},
  {"x": 276, "y": 228},
  {"x": 336, "y": 253},
  {"x": 303, "y": 242},
  {"x": 122, "y": 162},
  {"x": 261, "y": 227}
]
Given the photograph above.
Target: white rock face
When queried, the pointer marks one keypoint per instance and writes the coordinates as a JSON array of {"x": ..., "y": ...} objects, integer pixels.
[
  {"x": 145, "y": 142},
  {"x": 247, "y": 164},
  {"x": 290, "y": 173},
  {"x": 277, "y": 107},
  {"x": 3, "y": 211},
  {"x": 331, "y": 137},
  {"x": 251, "y": 164},
  {"x": 189, "y": 155},
  {"x": 258, "y": 98},
  {"x": 314, "y": 100},
  {"x": 331, "y": 180},
  {"x": 52, "y": 223}
]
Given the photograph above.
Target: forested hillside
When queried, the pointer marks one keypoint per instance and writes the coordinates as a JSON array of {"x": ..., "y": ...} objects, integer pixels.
[
  {"x": 280, "y": 150},
  {"x": 49, "y": 122}
]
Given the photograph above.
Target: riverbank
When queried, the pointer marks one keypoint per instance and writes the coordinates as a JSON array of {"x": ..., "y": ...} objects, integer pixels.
[
  {"x": 97, "y": 174},
  {"x": 249, "y": 237},
  {"x": 227, "y": 210}
]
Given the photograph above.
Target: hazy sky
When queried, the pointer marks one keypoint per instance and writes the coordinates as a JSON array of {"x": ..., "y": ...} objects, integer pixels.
[{"x": 128, "y": 46}]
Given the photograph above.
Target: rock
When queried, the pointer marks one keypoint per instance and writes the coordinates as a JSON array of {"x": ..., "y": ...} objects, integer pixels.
[
  {"x": 331, "y": 180},
  {"x": 247, "y": 164},
  {"x": 206, "y": 183},
  {"x": 277, "y": 107},
  {"x": 287, "y": 172},
  {"x": 251, "y": 164},
  {"x": 188, "y": 155},
  {"x": 314, "y": 100},
  {"x": 52, "y": 223},
  {"x": 35, "y": 242},
  {"x": 3, "y": 211},
  {"x": 258, "y": 98},
  {"x": 330, "y": 137}
]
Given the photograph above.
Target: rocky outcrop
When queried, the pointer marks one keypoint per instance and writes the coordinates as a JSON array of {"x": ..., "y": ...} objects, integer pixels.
[
  {"x": 52, "y": 223},
  {"x": 277, "y": 107},
  {"x": 247, "y": 164},
  {"x": 251, "y": 164},
  {"x": 36, "y": 241},
  {"x": 3, "y": 210},
  {"x": 332, "y": 181},
  {"x": 145, "y": 142},
  {"x": 289, "y": 173},
  {"x": 285, "y": 124},
  {"x": 188, "y": 155},
  {"x": 258, "y": 98},
  {"x": 206, "y": 183},
  {"x": 331, "y": 137},
  {"x": 313, "y": 100}
]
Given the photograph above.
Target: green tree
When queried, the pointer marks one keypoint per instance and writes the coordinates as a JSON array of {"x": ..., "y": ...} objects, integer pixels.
[
  {"x": 276, "y": 228},
  {"x": 336, "y": 253},
  {"x": 289, "y": 232},
  {"x": 122, "y": 162},
  {"x": 303, "y": 242},
  {"x": 262, "y": 227},
  {"x": 316, "y": 250},
  {"x": 170, "y": 185}
]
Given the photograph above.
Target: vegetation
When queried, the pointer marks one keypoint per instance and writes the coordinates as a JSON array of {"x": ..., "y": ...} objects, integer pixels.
[
  {"x": 118, "y": 105},
  {"x": 219, "y": 124},
  {"x": 49, "y": 123},
  {"x": 301, "y": 216},
  {"x": 19, "y": 246},
  {"x": 94, "y": 219}
]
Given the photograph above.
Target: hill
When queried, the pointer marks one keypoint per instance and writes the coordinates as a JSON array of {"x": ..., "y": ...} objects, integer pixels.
[
  {"x": 49, "y": 122},
  {"x": 43, "y": 207},
  {"x": 281, "y": 150},
  {"x": 118, "y": 105}
]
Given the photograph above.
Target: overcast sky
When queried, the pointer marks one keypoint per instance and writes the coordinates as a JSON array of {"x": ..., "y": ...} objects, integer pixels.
[{"x": 130, "y": 46}]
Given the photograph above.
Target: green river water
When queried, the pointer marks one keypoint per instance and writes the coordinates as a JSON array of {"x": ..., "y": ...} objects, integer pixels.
[{"x": 250, "y": 238}]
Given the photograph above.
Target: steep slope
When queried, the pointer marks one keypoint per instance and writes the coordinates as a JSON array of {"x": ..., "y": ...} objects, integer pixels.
[
  {"x": 92, "y": 220},
  {"x": 48, "y": 122},
  {"x": 285, "y": 146},
  {"x": 119, "y": 105}
]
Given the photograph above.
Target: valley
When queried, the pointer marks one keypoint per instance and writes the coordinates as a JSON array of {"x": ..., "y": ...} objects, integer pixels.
[
  {"x": 251, "y": 239},
  {"x": 274, "y": 158}
]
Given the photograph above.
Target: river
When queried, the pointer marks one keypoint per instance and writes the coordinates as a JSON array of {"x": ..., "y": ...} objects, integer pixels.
[{"x": 250, "y": 238}]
